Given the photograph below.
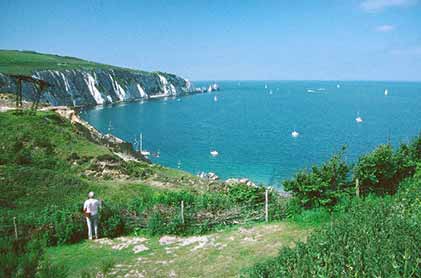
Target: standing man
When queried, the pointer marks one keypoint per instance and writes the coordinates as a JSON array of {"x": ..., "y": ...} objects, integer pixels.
[{"x": 90, "y": 209}]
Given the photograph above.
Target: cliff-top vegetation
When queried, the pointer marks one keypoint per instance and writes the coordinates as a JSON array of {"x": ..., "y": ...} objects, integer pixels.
[{"x": 26, "y": 62}]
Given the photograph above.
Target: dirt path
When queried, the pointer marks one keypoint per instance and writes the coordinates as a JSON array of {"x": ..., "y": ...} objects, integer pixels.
[{"x": 221, "y": 254}]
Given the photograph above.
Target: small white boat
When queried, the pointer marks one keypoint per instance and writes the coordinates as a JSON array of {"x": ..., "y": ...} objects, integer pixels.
[
  {"x": 141, "y": 150},
  {"x": 386, "y": 92},
  {"x": 215, "y": 98},
  {"x": 214, "y": 153},
  {"x": 338, "y": 86},
  {"x": 270, "y": 92},
  {"x": 310, "y": 91},
  {"x": 295, "y": 134},
  {"x": 359, "y": 119},
  {"x": 266, "y": 86},
  {"x": 145, "y": 153},
  {"x": 210, "y": 89}
]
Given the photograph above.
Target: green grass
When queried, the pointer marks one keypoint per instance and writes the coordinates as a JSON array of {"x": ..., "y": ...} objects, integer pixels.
[
  {"x": 42, "y": 163},
  {"x": 46, "y": 166},
  {"x": 26, "y": 62},
  {"x": 226, "y": 253}
]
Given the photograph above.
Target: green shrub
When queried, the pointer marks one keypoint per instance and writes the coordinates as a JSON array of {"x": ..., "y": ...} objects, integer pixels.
[
  {"x": 242, "y": 193},
  {"x": 379, "y": 237},
  {"x": 24, "y": 259},
  {"x": 323, "y": 186},
  {"x": 48, "y": 270},
  {"x": 111, "y": 222},
  {"x": 381, "y": 171}
]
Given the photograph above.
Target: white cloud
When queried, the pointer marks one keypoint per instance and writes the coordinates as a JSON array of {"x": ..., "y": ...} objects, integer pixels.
[
  {"x": 379, "y": 5},
  {"x": 385, "y": 28}
]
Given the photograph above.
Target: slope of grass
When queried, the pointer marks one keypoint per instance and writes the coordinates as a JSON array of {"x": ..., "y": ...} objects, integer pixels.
[
  {"x": 47, "y": 166},
  {"x": 26, "y": 62},
  {"x": 43, "y": 160}
]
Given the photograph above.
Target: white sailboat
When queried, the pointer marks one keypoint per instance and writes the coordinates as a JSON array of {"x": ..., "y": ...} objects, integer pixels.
[
  {"x": 338, "y": 86},
  {"x": 141, "y": 150},
  {"x": 214, "y": 153},
  {"x": 215, "y": 98},
  {"x": 266, "y": 86},
  {"x": 358, "y": 119},
  {"x": 386, "y": 92},
  {"x": 295, "y": 134}
]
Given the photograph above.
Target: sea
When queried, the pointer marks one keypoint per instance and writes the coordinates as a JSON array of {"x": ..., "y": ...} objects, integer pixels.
[{"x": 250, "y": 125}]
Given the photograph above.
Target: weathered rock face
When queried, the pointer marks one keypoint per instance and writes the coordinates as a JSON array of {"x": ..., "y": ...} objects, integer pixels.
[{"x": 101, "y": 86}]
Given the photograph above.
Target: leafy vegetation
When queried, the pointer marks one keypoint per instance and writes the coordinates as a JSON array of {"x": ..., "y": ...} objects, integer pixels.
[
  {"x": 373, "y": 236},
  {"x": 381, "y": 170},
  {"x": 322, "y": 186},
  {"x": 44, "y": 182},
  {"x": 378, "y": 172},
  {"x": 44, "y": 166},
  {"x": 378, "y": 237}
]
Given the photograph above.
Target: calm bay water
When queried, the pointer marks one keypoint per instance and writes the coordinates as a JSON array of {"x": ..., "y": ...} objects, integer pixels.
[{"x": 250, "y": 125}]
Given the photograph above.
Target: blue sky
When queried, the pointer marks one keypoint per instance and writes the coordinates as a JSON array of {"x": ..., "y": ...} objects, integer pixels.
[{"x": 215, "y": 40}]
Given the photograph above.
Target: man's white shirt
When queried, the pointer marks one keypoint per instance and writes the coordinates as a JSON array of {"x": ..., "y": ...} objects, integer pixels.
[{"x": 91, "y": 206}]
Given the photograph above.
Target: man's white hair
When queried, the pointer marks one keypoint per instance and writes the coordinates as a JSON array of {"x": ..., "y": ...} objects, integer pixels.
[{"x": 91, "y": 194}]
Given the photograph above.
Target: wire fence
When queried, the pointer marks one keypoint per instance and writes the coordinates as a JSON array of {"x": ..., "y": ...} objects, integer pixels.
[
  {"x": 183, "y": 214},
  {"x": 190, "y": 214}
]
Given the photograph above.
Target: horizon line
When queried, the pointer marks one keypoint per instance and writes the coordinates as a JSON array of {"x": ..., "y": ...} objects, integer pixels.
[{"x": 319, "y": 80}]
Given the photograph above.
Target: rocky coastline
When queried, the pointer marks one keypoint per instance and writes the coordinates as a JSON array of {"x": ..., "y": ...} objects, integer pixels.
[{"x": 82, "y": 87}]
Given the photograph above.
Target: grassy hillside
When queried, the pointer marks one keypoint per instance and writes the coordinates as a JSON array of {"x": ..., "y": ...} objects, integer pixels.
[
  {"x": 47, "y": 166},
  {"x": 26, "y": 62},
  {"x": 47, "y": 161}
]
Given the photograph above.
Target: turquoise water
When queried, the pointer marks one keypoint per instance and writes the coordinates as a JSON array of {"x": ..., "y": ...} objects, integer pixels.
[{"x": 251, "y": 127}]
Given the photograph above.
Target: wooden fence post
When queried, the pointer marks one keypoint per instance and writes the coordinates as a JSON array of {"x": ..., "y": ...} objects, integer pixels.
[
  {"x": 16, "y": 227},
  {"x": 266, "y": 206},
  {"x": 182, "y": 212},
  {"x": 357, "y": 187}
]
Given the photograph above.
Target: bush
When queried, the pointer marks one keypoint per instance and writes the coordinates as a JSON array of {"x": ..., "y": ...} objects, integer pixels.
[
  {"x": 48, "y": 270},
  {"x": 382, "y": 170},
  {"x": 379, "y": 237},
  {"x": 24, "y": 259},
  {"x": 111, "y": 222},
  {"x": 323, "y": 186}
]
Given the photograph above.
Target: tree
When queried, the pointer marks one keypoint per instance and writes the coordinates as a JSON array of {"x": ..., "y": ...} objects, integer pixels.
[
  {"x": 322, "y": 186},
  {"x": 377, "y": 170}
]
